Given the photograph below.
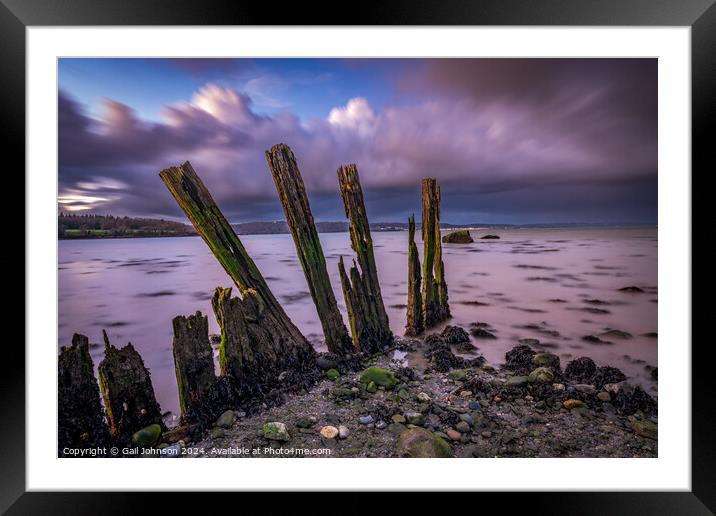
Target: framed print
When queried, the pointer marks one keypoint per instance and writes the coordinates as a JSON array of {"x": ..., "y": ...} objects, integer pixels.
[{"x": 457, "y": 234}]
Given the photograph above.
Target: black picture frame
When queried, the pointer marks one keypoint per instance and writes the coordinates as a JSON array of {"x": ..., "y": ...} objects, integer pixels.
[{"x": 700, "y": 15}]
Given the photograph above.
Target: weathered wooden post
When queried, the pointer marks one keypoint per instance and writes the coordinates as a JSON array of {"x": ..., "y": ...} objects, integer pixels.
[
  {"x": 193, "y": 358},
  {"x": 435, "y": 293},
  {"x": 259, "y": 358},
  {"x": 294, "y": 200},
  {"x": 80, "y": 416},
  {"x": 414, "y": 325},
  {"x": 127, "y": 391},
  {"x": 196, "y": 201},
  {"x": 364, "y": 302}
]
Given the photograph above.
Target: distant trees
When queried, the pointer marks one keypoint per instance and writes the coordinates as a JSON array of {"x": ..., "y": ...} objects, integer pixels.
[{"x": 72, "y": 225}]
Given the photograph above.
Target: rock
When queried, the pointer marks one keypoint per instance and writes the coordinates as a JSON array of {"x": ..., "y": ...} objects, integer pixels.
[
  {"x": 147, "y": 436},
  {"x": 380, "y": 425},
  {"x": 457, "y": 375},
  {"x": 541, "y": 375},
  {"x": 415, "y": 418},
  {"x": 486, "y": 434},
  {"x": 454, "y": 335},
  {"x": 580, "y": 369},
  {"x": 572, "y": 403},
  {"x": 423, "y": 397},
  {"x": 226, "y": 419},
  {"x": 467, "y": 418},
  {"x": 616, "y": 334},
  {"x": 371, "y": 387},
  {"x": 398, "y": 418},
  {"x": 606, "y": 374},
  {"x": 516, "y": 381},
  {"x": 612, "y": 388},
  {"x": 645, "y": 428},
  {"x": 490, "y": 237},
  {"x": 325, "y": 363},
  {"x": 462, "y": 427},
  {"x": 481, "y": 333},
  {"x": 631, "y": 289},
  {"x": 519, "y": 359},
  {"x": 404, "y": 394},
  {"x": 458, "y": 237},
  {"x": 305, "y": 422},
  {"x": 366, "y": 420},
  {"x": 420, "y": 443},
  {"x": 604, "y": 396},
  {"x": 329, "y": 432},
  {"x": 276, "y": 431},
  {"x": 558, "y": 386},
  {"x": 546, "y": 359},
  {"x": 343, "y": 432},
  {"x": 216, "y": 432},
  {"x": 454, "y": 434},
  {"x": 332, "y": 374},
  {"x": 595, "y": 340},
  {"x": 465, "y": 394},
  {"x": 584, "y": 388},
  {"x": 379, "y": 376},
  {"x": 343, "y": 393}
]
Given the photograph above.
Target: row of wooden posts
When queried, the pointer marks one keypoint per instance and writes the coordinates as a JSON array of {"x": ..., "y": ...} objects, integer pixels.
[{"x": 261, "y": 350}]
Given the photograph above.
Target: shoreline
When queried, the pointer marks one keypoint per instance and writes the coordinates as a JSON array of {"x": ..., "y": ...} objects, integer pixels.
[{"x": 476, "y": 409}]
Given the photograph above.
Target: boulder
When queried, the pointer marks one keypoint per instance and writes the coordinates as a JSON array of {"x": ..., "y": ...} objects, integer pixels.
[
  {"x": 458, "y": 237},
  {"x": 147, "y": 436},
  {"x": 541, "y": 375}
]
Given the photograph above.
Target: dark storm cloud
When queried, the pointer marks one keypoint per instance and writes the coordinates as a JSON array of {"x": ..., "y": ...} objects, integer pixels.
[{"x": 569, "y": 139}]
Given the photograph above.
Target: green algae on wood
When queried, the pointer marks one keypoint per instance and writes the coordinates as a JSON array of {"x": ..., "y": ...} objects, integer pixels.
[
  {"x": 435, "y": 293},
  {"x": 414, "y": 324},
  {"x": 254, "y": 351},
  {"x": 127, "y": 390},
  {"x": 193, "y": 358},
  {"x": 292, "y": 193},
  {"x": 368, "y": 319},
  {"x": 206, "y": 217},
  {"x": 80, "y": 417}
]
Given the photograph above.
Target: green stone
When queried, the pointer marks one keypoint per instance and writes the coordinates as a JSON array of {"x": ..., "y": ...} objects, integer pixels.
[
  {"x": 332, "y": 374},
  {"x": 276, "y": 431},
  {"x": 380, "y": 376},
  {"x": 147, "y": 436},
  {"x": 516, "y": 381},
  {"x": 541, "y": 375},
  {"x": 418, "y": 442}
]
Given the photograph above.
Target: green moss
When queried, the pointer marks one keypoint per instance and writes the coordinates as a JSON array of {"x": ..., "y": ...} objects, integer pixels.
[
  {"x": 332, "y": 374},
  {"x": 147, "y": 436},
  {"x": 541, "y": 375},
  {"x": 379, "y": 376}
]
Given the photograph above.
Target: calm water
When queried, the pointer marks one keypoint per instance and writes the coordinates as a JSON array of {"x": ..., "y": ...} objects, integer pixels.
[{"x": 532, "y": 283}]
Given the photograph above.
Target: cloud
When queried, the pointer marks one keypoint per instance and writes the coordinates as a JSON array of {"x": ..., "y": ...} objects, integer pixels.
[{"x": 485, "y": 129}]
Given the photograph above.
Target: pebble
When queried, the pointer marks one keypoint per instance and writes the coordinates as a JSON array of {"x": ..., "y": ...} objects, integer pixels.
[
  {"x": 343, "y": 432},
  {"x": 415, "y": 418},
  {"x": 571, "y": 404},
  {"x": 467, "y": 418},
  {"x": 585, "y": 388},
  {"x": 463, "y": 427},
  {"x": 226, "y": 419},
  {"x": 486, "y": 434},
  {"x": 366, "y": 420},
  {"x": 398, "y": 418},
  {"x": 558, "y": 386},
  {"x": 465, "y": 394},
  {"x": 329, "y": 432},
  {"x": 380, "y": 425},
  {"x": 423, "y": 397},
  {"x": 604, "y": 396},
  {"x": 454, "y": 434},
  {"x": 216, "y": 432}
]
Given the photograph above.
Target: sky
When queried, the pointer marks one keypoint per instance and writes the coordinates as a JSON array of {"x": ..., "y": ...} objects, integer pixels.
[{"x": 513, "y": 141}]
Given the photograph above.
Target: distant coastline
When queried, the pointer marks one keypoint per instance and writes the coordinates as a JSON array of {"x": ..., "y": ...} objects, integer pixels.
[{"x": 84, "y": 227}]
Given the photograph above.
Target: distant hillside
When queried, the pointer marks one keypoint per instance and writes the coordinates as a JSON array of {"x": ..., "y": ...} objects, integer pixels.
[{"x": 71, "y": 226}]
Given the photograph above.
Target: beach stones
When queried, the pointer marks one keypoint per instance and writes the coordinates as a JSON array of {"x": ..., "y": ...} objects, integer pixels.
[
  {"x": 541, "y": 375},
  {"x": 572, "y": 404},
  {"x": 516, "y": 381},
  {"x": 379, "y": 376},
  {"x": 645, "y": 428},
  {"x": 420, "y": 443},
  {"x": 147, "y": 436},
  {"x": 332, "y": 374},
  {"x": 458, "y": 237},
  {"x": 226, "y": 419},
  {"x": 546, "y": 359},
  {"x": 329, "y": 432},
  {"x": 276, "y": 431}
]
